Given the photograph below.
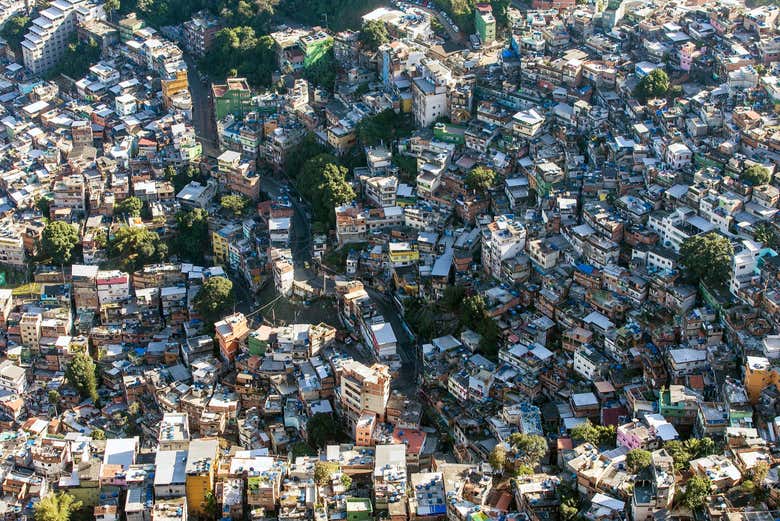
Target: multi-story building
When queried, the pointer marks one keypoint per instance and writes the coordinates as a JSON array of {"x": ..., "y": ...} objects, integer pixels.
[
  {"x": 12, "y": 377},
  {"x": 485, "y": 23},
  {"x": 502, "y": 239},
  {"x": 364, "y": 389},
  {"x": 69, "y": 194},
  {"x": 199, "y": 33},
  {"x": 201, "y": 471},
  {"x": 112, "y": 286},
  {"x": 430, "y": 92},
  {"x": 30, "y": 329},
  {"x": 49, "y": 35},
  {"x": 11, "y": 245},
  {"x": 230, "y": 332},
  {"x": 234, "y": 97},
  {"x": 174, "y": 434}
]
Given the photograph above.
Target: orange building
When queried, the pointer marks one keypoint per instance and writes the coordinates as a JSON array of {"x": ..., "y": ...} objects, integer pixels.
[
  {"x": 759, "y": 374},
  {"x": 230, "y": 332}
]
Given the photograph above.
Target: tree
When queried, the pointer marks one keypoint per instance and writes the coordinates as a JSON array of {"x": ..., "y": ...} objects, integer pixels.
[
  {"x": 234, "y": 203},
  {"x": 210, "y": 505},
  {"x": 321, "y": 429},
  {"x": 756, "y": 175},
  {"x": 58, "y": 241},
  {"x": 385, "y": 127},
  {"x": 638, "y": 460},
  {"x": 98, "y": 434},
  {"x": 81, "y": 374},
  {"x": 707, "y": 258},
  {"x": 182, "y": 177},
  {"x": 54, "y": 397},
  {"x": 301, "y": 449},
  {"x": 238, "y": 51},
  {"x": 134, "y": 409},
  {"x": 192, "y": 238},
  {"x": 136, "y": 246},
  {"x": 569, "y": 507},
  {"x": 56, "y": 507},
  {"x": 765, "y": 234},
  {"x": 759, "y": 473},
  {"x": 323, "y": 470},
  {"x": 480, "y": 179},
  {"x": 130, "y": 207},
  {"x": 529, "y": 449},
  {"x": 696, "y": 491},
  {"x": 323, "y": 71},
  {"x": 79, "y": 56},
  {"x": 215, "y": 298},
  {"x": 597, "y": 435},
  {"x": 111, "y": 6},
  {"x": 654, "y": 85},
  {"x": 497, "y": 458},
  {"x": 13, "y": 32},
  {"x": 500, "y": 12},
  {"x": 322, "y": 181},
  {"x": 682, "y": 452},
  {"x": 346, "y": 481},
  {"x": 373, "y": 34}
]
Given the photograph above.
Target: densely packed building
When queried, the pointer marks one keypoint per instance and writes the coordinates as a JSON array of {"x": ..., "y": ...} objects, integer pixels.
[{"x": 545, "y": 286}]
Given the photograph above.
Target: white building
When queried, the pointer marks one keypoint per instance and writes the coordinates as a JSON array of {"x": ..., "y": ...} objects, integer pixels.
[
  {"x": 11, "y": 245},
  {"x": 527, "y": 123},
  {"x": 12, "y": 377},
  {"x": 112, "y": 286},
  {"x": 49, "y": 35},
  {"x": 678, "y": 156},
  {"x": 284, "y": 276},
  {"x": 125, "y": 105},
  {"x": 429, "y": 93},
  {"x": 170, "y": 477},
  {"x": 381, "y": 191},
  {"x": 744, "y": 266},
  {"x": 675, "y": 227},
  {"x": 502, "y": 239}
]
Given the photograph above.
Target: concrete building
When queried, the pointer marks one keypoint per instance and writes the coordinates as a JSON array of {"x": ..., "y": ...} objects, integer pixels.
[
  {"x": 201, "y": 470},
  {"x": 364, "y": 389},
  {"x": 502, "y": 239},
  {"x": 485, "y": 23},
  {"x": 49, "y": 35}
]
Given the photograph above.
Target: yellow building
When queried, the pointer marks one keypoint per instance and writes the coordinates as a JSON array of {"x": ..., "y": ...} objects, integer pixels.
[
  {"x": 175, "y": 85},
  {"x": 402, "y": 254},
  {"x": 759, "y": 374},
  {"x": 221, "y": 240},
  {"x": 201, "y": 470}
]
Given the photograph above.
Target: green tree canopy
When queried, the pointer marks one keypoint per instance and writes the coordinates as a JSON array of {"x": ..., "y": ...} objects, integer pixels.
[
  {"x": 529, "y": 449},
  {"x": 215, "y": 298},
  {"x": 765, "y": 234},
  {"x": 336, "y": 14},
  {"x": 323, "y": 183},
  {"x": 756, "y": 175},
  {"x": 638, "y": 460},
  {"x": 192, "y": 239},
  {"x": 131, "y": 207},
  {"x": 239, "y": 51},
  {"x": 654, "y": 85},
  {"x": 696, "y": 491},
  {"x": 321, "y": 429},
  {"x": 707, "y": 257},
  {"x": 498, "y": 458},
  {"x": 474, "y": 315},
  {"x": 181, "y": 177},
  {"x": 81, "y": 374},
  {"x": 236, "y": 204},
  {"x": 56, "y": 507},
  {"x": 385, "y": 127},
  {"x": 323, "y": 470},
  {"x": 597, "y": 435},
  {"x": 98, "y": 434},
  {"x": 78, "y": 58},
  {"x": 58, "y": 241},
  {"x": 136, "y": 246},
  {"x": 373, "y": 34},
  {"x": 481, "y": 179},
  {"x": 13, "y": 32},
  {"x": 682, "y": 452}
]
